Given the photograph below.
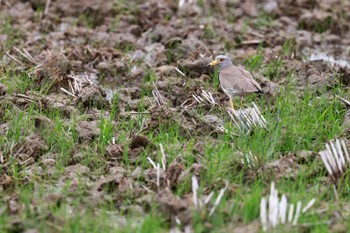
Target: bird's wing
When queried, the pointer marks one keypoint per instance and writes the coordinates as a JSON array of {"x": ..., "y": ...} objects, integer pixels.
[
  {"x": 235, "y": 78},
  {"x": 250, "y": 77}
]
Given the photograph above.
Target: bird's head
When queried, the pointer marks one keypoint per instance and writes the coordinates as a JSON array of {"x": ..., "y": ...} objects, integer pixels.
[{"x": 221, "y": 61}]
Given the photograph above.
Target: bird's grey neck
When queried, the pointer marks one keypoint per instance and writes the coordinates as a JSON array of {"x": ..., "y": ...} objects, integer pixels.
[{"x": 221, "y": 66}]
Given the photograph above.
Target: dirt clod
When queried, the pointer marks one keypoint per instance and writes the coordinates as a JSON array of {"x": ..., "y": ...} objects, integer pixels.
[
  {"x": 87, "y": 130},
  {"x": 2, "y": 89},
  {"x": 172, "y": 206},
  {"x": 33, "y": 146},
  {"x": 173, "y": 172},
  {"x": 115, "y": 151},
  {"x": 91, "y": 90},
  {"x": 43, "y": 122},
  {"x": 139, "y": 141},
  {"x": 286, "y": 167},
  {"x": 56, "y": 67},
  {"x": 92, "y": 96}
]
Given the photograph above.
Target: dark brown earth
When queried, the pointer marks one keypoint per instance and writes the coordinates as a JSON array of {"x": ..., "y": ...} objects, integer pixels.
[{"x": 95, "y": 50}]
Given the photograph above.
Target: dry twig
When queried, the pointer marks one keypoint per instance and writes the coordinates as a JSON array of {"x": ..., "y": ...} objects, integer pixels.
[
  {"x": 14, "y": 59},
  {"x": 157, "y": 96}
]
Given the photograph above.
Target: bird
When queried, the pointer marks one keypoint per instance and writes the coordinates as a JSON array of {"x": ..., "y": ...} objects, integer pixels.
[{"x": 234, "y": 80}]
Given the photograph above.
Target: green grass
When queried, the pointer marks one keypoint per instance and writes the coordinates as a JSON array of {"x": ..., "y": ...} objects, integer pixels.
[
  {"x": 7, "y": 29},
  {"x": 296, "y": 121}
]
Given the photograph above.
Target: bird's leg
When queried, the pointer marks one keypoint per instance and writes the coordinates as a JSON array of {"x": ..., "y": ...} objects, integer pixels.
[
  {"x": 241, "y": 101},
  {"x": 231, "y": 103}
]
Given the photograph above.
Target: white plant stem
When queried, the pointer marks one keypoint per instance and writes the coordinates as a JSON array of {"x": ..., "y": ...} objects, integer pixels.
[
  {"x": 308, "y": 206},
  {"x": 217, "y": 201},
  {"x": 194, "y": 191},
  {"x": 297, "y": 213},
  {"x": 274, "y": 211},
  {"x": 67, "y": 92},
  {"x": 163, "y": 156},
  {"x": 152, "y": 163},
  {"x": 263, "y": 214},
  {"x": 335, "y": 157},
  {"x": 158, "y": 175}
]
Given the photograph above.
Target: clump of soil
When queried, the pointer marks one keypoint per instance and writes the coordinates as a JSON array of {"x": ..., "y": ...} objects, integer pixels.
[{"x": 99, "y": 86}]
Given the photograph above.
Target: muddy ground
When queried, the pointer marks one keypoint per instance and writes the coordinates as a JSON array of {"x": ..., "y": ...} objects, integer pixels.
[{"x": 100, "y": 130}]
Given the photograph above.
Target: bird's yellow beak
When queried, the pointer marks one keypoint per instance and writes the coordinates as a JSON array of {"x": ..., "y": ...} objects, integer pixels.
[{"x": 213, "y": 63}]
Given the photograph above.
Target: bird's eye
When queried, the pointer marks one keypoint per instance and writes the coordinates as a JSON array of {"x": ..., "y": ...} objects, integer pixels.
[{"x": 221, "y": 60}]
